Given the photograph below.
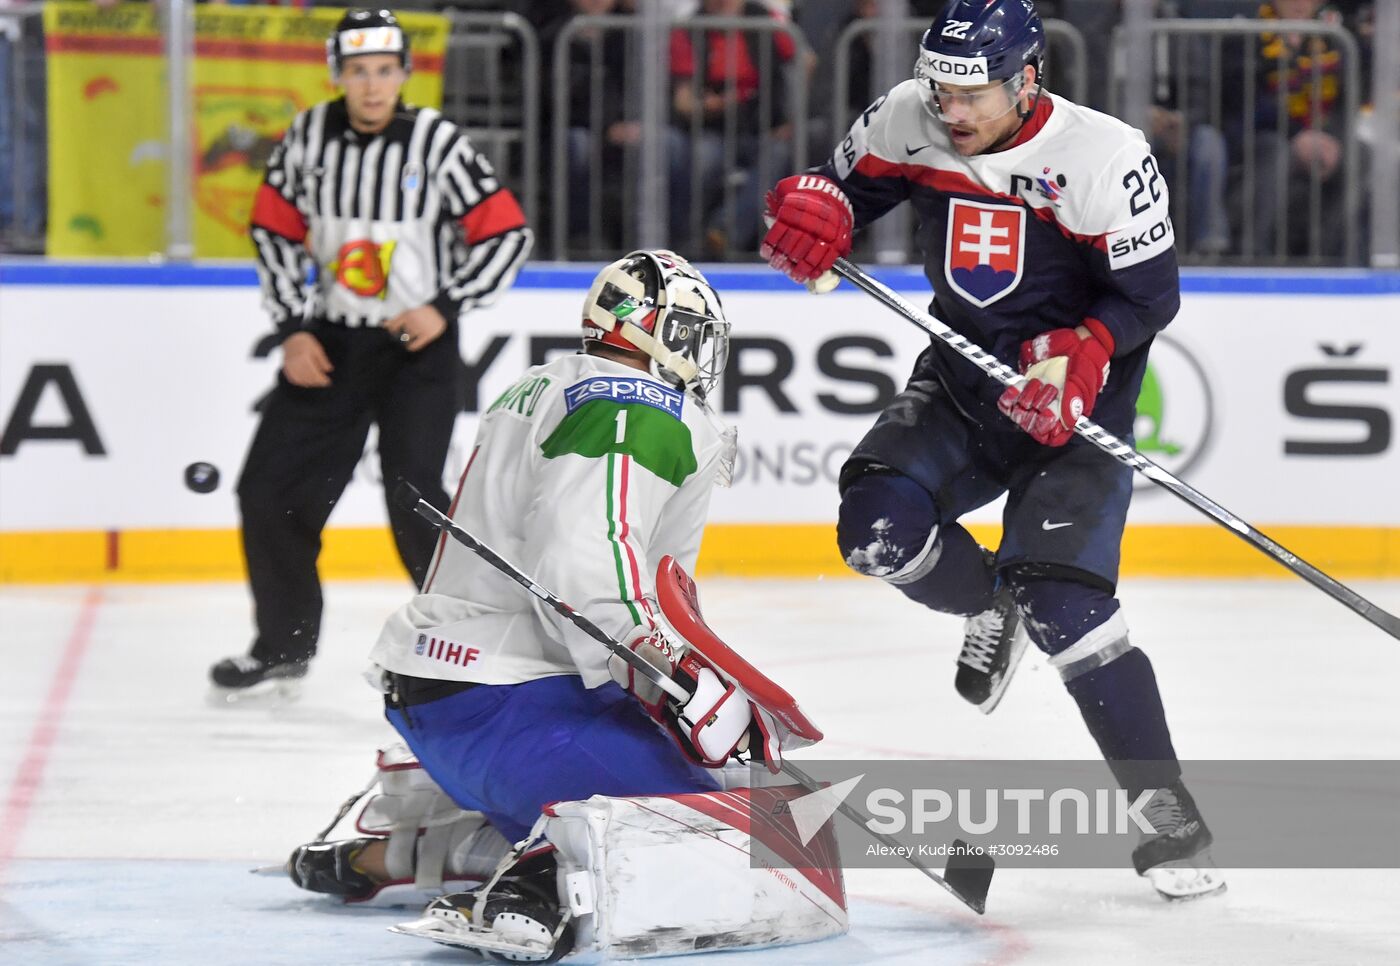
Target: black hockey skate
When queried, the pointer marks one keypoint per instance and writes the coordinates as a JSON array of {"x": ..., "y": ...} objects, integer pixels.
[
  {"x": 329, "y": 867},
  {"x": 993, "y": 642},
  {"x": 236, "y": 678},
  {"x": 1176, "y": 860},
  {"x": 520, "y": 921}
]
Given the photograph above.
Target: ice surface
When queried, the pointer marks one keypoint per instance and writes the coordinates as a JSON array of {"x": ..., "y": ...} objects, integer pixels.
[{"x": 133, "y": 809}]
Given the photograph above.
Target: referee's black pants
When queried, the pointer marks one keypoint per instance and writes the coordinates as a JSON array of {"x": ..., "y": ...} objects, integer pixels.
[{"x": 305, "y": 452}]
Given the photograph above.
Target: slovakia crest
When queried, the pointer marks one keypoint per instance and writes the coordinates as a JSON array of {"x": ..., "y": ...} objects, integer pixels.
[{"x": 985, "y": 251}]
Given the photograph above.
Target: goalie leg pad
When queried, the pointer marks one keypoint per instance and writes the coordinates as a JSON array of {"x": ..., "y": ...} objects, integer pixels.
[
  {"x": 431, "y": 841},
  {"x": 665, "y": 875},
  {"x": 423, "y": 824}
]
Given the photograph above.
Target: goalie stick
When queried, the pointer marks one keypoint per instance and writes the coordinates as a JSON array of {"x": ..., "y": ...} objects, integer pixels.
[
  {"x": 1125, "y": 454},
  {"x": 966, "y": 877}
]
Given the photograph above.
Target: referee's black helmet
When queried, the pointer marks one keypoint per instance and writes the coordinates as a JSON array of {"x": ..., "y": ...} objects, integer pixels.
[{"x": 366, "y": 32}]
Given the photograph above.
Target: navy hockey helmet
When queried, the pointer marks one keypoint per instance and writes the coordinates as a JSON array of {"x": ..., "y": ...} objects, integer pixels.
[
  {"x": 366, "y": 32},
  {"x": 658, "y": 302},
  {"x": 976, "y": 42}
]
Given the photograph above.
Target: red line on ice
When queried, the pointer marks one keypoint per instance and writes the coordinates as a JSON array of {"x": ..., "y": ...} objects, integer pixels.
[{"x": 30, "y": 775}]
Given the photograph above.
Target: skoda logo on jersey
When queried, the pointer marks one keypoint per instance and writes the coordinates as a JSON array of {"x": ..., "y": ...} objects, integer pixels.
[
  {"x": 985, "y": 250},
  {"x": 1175, "y": 411}
]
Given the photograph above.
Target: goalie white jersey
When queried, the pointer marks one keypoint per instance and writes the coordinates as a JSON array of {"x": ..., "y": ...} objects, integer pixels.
[{"x": 583, "y": 474}]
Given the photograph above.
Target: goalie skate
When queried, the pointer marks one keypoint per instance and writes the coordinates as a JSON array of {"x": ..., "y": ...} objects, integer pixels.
[
  {"x": 993, "y": 642},
  {"x": 1177, "y": 859},
  {"x": 516, "y": 925}
]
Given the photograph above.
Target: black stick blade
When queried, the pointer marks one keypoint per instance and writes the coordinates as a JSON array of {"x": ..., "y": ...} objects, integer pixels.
[
  {"x": 969, "y": 876},
  {"x": 406, "y": 495}
]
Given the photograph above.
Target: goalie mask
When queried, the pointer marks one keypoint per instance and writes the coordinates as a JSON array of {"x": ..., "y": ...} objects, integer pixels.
[
  {"x": 659, "y": 303},
  {"x": 366, "y": 32}
]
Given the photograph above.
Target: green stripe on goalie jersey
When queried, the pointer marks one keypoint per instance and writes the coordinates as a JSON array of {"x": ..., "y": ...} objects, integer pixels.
[{"x": 653, "y": 438}]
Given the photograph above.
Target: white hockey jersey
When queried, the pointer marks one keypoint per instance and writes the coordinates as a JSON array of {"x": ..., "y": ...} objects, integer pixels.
[{"x": 583, "y": 474}]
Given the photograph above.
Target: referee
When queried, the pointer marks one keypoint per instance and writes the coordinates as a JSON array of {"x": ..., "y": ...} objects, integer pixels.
[{"x": 406, "y": 228}]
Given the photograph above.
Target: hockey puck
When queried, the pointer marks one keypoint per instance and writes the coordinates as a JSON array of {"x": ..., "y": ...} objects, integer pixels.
[{"x": 202, "y": 477}]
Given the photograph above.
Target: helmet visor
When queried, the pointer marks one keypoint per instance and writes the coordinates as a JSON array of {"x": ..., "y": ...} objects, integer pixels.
[{"x": 952, "y": 104}]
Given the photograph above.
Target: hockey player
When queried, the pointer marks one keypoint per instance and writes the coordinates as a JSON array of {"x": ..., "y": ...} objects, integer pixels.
[
  {"x": 1047, "y": 241},
  {"x": 584, "y": 474}
]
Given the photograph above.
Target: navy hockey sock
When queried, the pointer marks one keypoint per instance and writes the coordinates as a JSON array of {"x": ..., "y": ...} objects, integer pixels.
[
  {"x": 1122, "y": 707},
  {"x": 1111, "y": 681},
  {"x": 889, "y": 528}
]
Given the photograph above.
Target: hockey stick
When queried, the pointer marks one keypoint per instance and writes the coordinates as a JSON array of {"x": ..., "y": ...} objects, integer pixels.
[
  {"x": 1126, "y": 455},
  {"x": 967, "y": 878}
]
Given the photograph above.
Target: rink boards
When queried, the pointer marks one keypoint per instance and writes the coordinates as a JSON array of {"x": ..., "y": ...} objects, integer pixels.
[{"x": 1274, "y": 394}]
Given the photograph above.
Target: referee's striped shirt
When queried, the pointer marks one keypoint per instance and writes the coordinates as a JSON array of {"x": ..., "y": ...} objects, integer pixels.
[{"x": 410, "y": 216}]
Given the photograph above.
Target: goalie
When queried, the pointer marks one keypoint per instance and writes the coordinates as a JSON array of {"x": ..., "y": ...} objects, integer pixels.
[{"x": 585, "y": 473}]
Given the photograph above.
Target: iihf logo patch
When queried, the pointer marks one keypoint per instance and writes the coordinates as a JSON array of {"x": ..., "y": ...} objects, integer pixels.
[
  {"x": 985, "y": 249},
  {"x": 412, "y": 176},
  {"x": 421, "y": 645}
]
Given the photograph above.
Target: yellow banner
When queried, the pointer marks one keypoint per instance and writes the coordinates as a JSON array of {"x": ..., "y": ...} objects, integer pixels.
[{"x": 254, "y": 69}]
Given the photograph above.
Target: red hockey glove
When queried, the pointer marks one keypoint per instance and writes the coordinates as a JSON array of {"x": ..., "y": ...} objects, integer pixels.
[
  {"x": 1065, "y": 371},
  {"x": 810, "y": 221},
  {"x": 653, "y": 647}
]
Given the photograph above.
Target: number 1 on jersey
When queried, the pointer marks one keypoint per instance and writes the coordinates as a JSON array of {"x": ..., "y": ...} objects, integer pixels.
[{"x": 621, "y": 426}]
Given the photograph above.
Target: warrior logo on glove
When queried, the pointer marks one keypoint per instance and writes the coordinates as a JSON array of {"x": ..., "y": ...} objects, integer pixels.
[{"x": 810, "y": 222}]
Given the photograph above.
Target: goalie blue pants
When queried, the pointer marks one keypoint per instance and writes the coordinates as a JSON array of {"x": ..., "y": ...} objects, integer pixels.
[{"x": 507, "y": 750}]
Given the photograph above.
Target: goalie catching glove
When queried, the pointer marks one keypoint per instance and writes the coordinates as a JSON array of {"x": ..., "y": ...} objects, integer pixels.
[
  {"x": 809, "y": 226},
  {"x": 713, "y": 724},
  {"x": 1065, "y": 370}
]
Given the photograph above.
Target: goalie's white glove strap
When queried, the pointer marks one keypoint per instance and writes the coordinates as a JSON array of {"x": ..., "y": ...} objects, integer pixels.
[{"x": 716, "y": 718}]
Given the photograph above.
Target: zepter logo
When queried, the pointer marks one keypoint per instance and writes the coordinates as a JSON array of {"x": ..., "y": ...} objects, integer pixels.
[{"x": 1175, "y": 411}]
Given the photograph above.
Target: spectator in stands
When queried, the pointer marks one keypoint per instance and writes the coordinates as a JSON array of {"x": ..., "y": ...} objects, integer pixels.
[
  {"x": 734, "y": 93},
  {"x": 603, "y": 133},
  {"x": 1298, "y": 125},
  {"x": 599, "y": 134},
  {"x": 23, "y": 152},
  {"x": 1190, "y": 150},
  {"x": 862, "y": 83}
]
